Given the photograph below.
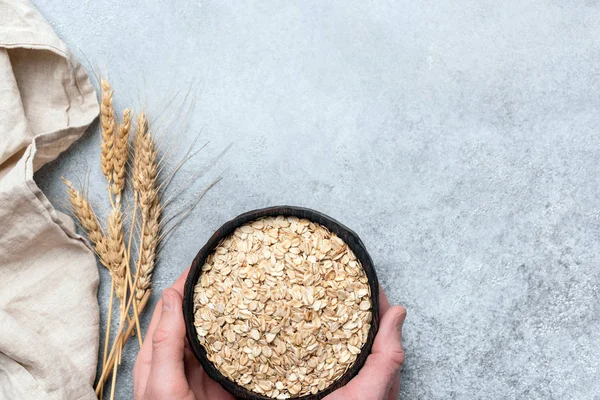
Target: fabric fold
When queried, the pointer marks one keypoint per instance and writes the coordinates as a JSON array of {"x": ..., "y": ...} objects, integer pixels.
[{"x": 48, "y": 275}]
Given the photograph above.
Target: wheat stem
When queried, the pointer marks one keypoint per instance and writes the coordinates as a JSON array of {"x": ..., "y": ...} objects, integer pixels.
[
  {"x": 135, "y": 311},
  {"x": 111, "y": 357},
  {"x": 114, "y": 378},
  {"x": 107, "y": 333},
  {"x": 116, "y": 343}
]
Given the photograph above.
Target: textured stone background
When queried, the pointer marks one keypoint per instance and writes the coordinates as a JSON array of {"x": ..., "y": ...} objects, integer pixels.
[{"x": 458, "y": 138}]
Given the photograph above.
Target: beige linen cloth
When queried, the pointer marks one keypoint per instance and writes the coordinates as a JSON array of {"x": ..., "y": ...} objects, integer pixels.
[{"x": 48, "y": 275}]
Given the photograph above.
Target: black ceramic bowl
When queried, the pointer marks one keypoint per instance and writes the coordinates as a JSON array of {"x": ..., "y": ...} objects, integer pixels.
[{"x": 348, "y": 236}]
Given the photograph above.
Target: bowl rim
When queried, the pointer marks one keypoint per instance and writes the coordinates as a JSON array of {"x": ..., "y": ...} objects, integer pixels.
[{"x": 351, "y": 239}]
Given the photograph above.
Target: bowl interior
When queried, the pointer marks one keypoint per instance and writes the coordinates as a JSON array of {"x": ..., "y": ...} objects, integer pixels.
[{"x": 348, "y": 236}]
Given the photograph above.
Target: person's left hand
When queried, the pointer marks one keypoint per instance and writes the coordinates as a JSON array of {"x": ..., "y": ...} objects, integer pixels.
[{"x": 166, "y": 367}]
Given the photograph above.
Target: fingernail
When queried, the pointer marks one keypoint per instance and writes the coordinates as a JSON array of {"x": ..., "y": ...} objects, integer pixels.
[
  {"x": 398, "y": 322},
  {"x": 167, "y": 304}
]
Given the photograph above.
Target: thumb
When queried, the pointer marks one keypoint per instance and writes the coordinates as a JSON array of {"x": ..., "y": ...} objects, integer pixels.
[
  {"x": 167, "y": 372},
  {"x": 381, "y": 368}
]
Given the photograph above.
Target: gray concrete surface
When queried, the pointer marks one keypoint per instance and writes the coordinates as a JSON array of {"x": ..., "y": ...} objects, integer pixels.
[{"x": 458, "y": 138}]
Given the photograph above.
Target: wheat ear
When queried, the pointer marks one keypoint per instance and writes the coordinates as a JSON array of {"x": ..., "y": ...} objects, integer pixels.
[
  {"x": 120, "y": 155},
  {"x": 145, "y": 176},
  {"x": 117, "y": 252},
  {"x": 149, "y": 245},
  {"x": 145, "y": 166},
  {"x": 107, "y": 123},
  {"x": 83, "y": 211}
]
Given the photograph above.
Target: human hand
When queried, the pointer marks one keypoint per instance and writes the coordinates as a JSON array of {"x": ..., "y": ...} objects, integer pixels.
[
  {"x": 166, "y": 368},
  {"x": 378, "y": 379}
]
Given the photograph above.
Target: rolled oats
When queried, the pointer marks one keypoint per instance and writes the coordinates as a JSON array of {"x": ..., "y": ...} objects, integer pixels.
[{"x": 282, "y": 307}]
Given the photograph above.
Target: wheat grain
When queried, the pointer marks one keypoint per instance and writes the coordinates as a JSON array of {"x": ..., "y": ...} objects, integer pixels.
[
  {"x": 107, "y": 123},
  {"x": 121, "y": 154}
]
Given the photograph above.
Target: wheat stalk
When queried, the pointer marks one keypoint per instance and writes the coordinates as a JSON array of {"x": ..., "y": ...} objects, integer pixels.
[
  {"x": 118, "y": 249},
  {"x": 122, "y": 333},
  {"x": 83, "y": 211},
  {"x": 115, "y": 238},
  {"x": 146, "y": 194},
  {"x": 113, "y": 248},
  {"x": 145, "y": 177},
  {"x": 114, "y": 148}
]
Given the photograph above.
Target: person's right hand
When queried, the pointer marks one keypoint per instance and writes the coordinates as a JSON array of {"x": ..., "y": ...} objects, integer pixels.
[
  {"x": 379, "y": 379},
  {"x": 166, "y": 368}
]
